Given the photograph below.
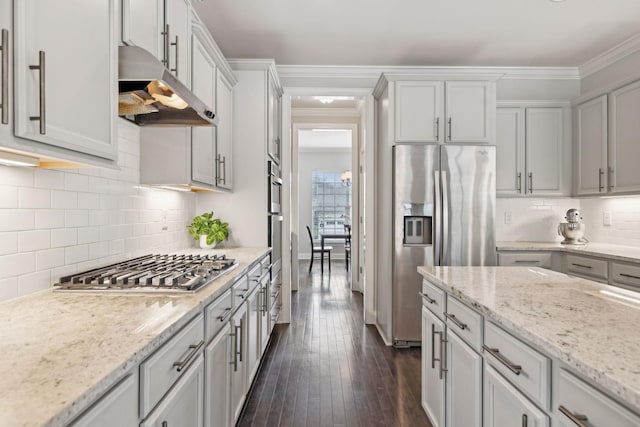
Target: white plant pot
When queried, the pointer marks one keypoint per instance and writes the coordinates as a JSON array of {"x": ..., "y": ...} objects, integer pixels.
[{"x": 203, "y": 242}]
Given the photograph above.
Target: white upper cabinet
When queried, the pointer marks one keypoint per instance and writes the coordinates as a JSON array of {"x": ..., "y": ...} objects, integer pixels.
[
  {"x": 509, "y": 150},
  {"x": 544, "y": 142},
  {"x": 591, "y": 150},
  {"x": 6, "y": 52},
  {"x": 470, "y": 111},
  {"x": 224, "y": 148},
  {"x": 532, "y": 150},
  {"x": 65, "y": 74},
  {"x": 624, "y": 148},
  {"x": 143, "y": 25},
  {"x": 203, "y": 142},
  {"x": 178, "y": 34},
  {"x": 419, "y": 111}
]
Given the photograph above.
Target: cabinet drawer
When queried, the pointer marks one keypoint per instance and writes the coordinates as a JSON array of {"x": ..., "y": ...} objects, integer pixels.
[
  {"x": 433, "y": 298},
  {"x": 265, "y": 264},
  {"x": 576, "y": 398},
  {"x": 522, "y": 365},
  {"x": 588, "y": 267},
  {"x": 217, "y": 314},
  {"x": 466, "y": 322},
  {"x": 627, "y": 275},
  {"x": 240, "y": 290},
  {"x": 525, "y": 259},
  {"x": 160, "y": 371}
]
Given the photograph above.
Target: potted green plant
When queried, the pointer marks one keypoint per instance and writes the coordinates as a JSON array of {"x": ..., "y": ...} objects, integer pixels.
[{"x": 208, "y": 230}]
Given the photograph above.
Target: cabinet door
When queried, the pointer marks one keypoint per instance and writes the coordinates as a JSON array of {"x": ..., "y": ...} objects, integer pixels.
[
  {"x": 624, "y": 149},
  {"x": 203, "y": 138},
  {"x": 178, "y": 19},
  {"x": 183, "y": 405},
  {"x": 238, "y": 337},
  {"x": 592, "y": 146},
  {"x": 509, "y": 151},
  {"x": 506, "y": 406},
  {"x": 143, "y": 25},
  {"x": 470, "y": 111},
  {"x": 6, "y": 55},
  {"x": 224, "y": 147},
  {"x": 217, "y": 371},
  {"x": 544, "y": 143},
  {"x": 419, "y": 110},
  {"x": 264, "y": 315},
  {"x": 433, "y": 380},
  {"x": 272, "y": 103},
  {"x": 253, "y": 334},
  {"x": 118, "y": 407},
  {"x": 464, "y": 384},
  {"x": 72, "y": 89}
]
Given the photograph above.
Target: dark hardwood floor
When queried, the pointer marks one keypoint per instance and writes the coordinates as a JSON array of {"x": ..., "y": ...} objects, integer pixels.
[{"x": 327, "y": 368}]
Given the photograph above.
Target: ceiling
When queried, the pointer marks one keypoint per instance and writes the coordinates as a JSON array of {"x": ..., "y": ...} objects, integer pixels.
[{"x": 420, "y": 32}]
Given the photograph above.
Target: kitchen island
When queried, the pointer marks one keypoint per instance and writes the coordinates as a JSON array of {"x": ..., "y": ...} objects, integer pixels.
[
  {"x": 62, "y": 350},
  {"x": 577, "y": 324}
]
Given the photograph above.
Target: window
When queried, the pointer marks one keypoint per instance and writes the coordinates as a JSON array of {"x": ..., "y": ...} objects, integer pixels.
[{"x": 330, "y": 203}]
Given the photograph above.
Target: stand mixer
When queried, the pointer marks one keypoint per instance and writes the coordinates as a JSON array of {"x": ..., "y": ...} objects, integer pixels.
[{"x": 573, "y": 229}]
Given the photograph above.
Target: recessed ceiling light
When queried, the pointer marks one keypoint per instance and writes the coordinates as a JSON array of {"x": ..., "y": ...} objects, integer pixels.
[{"x": 556, "y": 1}]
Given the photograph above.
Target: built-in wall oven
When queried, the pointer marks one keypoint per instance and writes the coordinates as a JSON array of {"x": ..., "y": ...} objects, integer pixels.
[{"x": 275, "y": 220}]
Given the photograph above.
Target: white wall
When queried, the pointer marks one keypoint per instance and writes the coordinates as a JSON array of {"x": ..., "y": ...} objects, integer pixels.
[
  {"x": 55, "y": 222},
  {"x": 534, "y": 220},
  {"x": 317, "y": 160}
]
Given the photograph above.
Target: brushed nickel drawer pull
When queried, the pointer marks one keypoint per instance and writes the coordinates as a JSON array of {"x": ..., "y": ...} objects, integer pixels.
[
  {"x": 630, "y": 276},
  {"x": 455, "y": 320},
  {"x": 578, "y": 419},
  {"x": 429, "y": 299},
  {"x": 42, "y": 117},
  {"x": 581, "y": 265},
  {"x": 516, "y": 369},
  {"x": 224, "y": 317},
  {"x": 4, "y": 96},
  {"x": 179, "y": 365},
  {"x": 526, "y": 261}
]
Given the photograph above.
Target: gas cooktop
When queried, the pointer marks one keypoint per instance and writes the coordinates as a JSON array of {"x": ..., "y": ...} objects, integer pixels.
[{"x": 152, "y": 273}]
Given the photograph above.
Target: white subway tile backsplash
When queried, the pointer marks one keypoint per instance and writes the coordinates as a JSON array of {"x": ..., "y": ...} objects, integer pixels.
[
  {"x": 88, "y": 235},
  {"x": 99, "y": 217},
  {"x": 116, "y": 247},
  {"x": 64, "y": 237},
  {"x": 34, "y": 240},
  {"x": 34, "y": 282},
  {"x": 64, "y": 199},
  {"x": 34, "y": 198},
  {"x": 19, "y": 177},
  {"x": 98, "y": 250},
  {"x": 8, "y": 288},
  {"x": 8, "y": 243},
  {"x": 49, "y": 259},
  {"x": 8, "y": 197},
  {"x": 76, "y": 182},
  {"x": 88, "y": 201},
  {"x": 65, "y": 270},
  {"x": 16, "y": 219},
  {"x": 77, "y": 218},
  {"x": 17, "y": 264},
  {"x": 47, "y": 178},
  {"x": 49, "y": 218},
  {"x": 74, "y": 254}
]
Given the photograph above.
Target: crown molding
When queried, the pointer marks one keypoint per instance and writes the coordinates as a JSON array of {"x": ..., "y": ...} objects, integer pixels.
[
  {"x": 257, "y": 64},
  {"x": 325, "y": 112},
  {"x": 563, "y": 103},
  {"x": 213, "y": 49},
  {"x": 610, "y": 56}
]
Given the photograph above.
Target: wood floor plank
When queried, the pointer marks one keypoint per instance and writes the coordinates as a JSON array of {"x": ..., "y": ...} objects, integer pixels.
[{"x": 327, "y": 368}]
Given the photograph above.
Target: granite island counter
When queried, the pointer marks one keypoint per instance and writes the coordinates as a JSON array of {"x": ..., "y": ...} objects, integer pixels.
[
  {"x": 578, "y": 323},
  {"x": 62, "y": 350}
]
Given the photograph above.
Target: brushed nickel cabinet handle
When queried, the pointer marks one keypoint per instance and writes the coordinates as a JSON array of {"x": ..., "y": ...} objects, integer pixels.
[
  {"x": 234, "y": 335},
  {"x": 165, "y": 424},
  {"x": 630, "y": 276},
  {"x": 530, "y": 182},
  {"x": 579, "y": 420},
  {"x": 610, "y": 177},
  {"x": 175, "y": 44},
  {"x": 180, "y": 364},
  {"x": 241, "y": 338},
  {"x": 449, "y": 122},
  {"x": 425, "y": 296},
  {"x": 433, "y": 346},
  {"x": 443, "y": 355},
  {"x": 4, "y": 96},
  {"x": 437, "y": 128},
  {"x": 516, "y": 369},
  {"x": 600, "y": 186},
  {"x": 455, "y": 321},
  {"x": 519, "y": 187},
  {"x": 42, "y": 105},
  {"x": 165, "y": 46},
  {"x": 525, "y": 420},
  {"x": 581, "y": 265}
]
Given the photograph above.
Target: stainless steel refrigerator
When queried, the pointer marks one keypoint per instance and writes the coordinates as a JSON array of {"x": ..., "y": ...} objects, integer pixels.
[{"x": 443, "y": 214}]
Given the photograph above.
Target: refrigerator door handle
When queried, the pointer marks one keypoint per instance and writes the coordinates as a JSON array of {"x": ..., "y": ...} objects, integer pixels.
[
  {"x": 445, "y": 220},
  {"x": 436, "y": 215}
]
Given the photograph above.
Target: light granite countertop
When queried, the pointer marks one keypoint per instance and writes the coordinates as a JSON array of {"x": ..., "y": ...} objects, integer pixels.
[
  {"x": 615, "y": 252},
  {"x": 61, "y": 350},
  {"x": 567, "y": 317}
]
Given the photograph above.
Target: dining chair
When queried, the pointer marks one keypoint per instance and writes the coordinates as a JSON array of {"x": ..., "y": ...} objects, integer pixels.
[{"x": 318, "y": 250}]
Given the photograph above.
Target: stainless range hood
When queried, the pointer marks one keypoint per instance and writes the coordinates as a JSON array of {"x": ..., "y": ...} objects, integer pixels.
[{"x": 149, "y": 95}]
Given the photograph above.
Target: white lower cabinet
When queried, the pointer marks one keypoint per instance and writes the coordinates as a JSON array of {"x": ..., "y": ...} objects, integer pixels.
[
  {"x": 183, "y": 405},
  {"x": 504, "y": 406},
  {"x": 119, "y": 407},
  {"x": 217, "y": 383},
  {"x": 433, "y": 380},
  {"x": 253, "y": 334},
  {"x": 264, "y": 314},
  {"x": 238, "y": 361},
  {"x": 464, "y": 384}
]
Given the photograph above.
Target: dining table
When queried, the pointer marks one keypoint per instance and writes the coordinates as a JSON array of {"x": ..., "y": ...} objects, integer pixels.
[{"x": 324, "y": 236}]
